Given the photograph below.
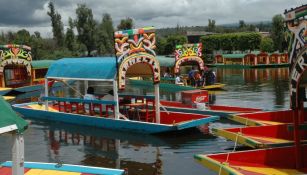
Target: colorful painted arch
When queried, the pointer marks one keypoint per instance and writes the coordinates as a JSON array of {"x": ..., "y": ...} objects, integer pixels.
[{"x": 180, "y": 61}]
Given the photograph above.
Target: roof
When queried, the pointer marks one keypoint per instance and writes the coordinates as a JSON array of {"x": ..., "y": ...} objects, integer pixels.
[
  {"x": 238, "y": 55},
  {"x": 166, "y": 61},
  {"x": 40, "y": 64},
  {"x": 9, "y": 120},
  {"x": 91, "y": 68}
]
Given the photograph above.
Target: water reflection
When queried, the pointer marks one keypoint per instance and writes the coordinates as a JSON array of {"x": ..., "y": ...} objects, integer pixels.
[{"x": 148, "y": 154}]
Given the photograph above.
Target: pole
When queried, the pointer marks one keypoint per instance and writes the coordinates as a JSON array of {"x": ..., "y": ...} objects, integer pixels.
[
  {"x": 46, "y": 94},
  {"x": 157, "y": 102},
  {"x": 85, "y": 86},
  {"x": 18, "y": 154},
  {"x": 115, "y": 93}
]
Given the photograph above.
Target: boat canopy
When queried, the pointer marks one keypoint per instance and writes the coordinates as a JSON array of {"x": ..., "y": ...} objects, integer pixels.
[
  {"x": 91, "y": 68},
  {"x": 41, "y": 64},
  {"x": 9, "y": 120},
  {"x": 166, "y": 61}
]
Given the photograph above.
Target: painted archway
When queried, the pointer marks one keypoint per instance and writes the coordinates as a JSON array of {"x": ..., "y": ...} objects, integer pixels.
[
  {"x": 12, "y": 54},
  {"x": 136, "y": 46},
  {"x": 188, "y": 53},
  {"x": 135, "y": 59}
]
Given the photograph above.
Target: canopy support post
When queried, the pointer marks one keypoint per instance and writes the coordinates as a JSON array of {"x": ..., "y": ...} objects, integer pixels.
[
  {"x": 85, "y": 86},
  {"x": 18, "y": 154},
  {"x": 115, "y": 93},
  {"x": 157, "y": 102},
  {"x": 46, "y": 94}
]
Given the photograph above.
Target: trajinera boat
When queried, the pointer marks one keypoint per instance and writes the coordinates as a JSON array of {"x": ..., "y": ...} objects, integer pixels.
[
  {"x": 18, "y": 72},
  {"x": 135, "y": 56},
  {"x": 282, "y": 133},
  {"x": 11, "y": 123},
  {"x": 186, "y": 56}
]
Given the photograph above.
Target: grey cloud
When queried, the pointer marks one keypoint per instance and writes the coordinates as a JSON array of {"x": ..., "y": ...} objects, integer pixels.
[{"x": 158, "y": 13}]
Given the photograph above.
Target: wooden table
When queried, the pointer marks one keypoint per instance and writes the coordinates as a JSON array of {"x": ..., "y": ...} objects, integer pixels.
[{"x": 136, "y": 107}]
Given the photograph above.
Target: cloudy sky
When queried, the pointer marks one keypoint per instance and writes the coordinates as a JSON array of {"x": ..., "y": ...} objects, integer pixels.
[{"x": 32, "y": 14}]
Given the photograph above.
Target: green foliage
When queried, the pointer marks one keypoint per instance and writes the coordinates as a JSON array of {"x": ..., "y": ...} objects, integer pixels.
[
  {"x": 278, "y": 34},
  {"x": 231, "y": 41},
  {"x": 211, "y": 25},
  {"x": 161, "y": 43},
  {"x": 172, "y": 41},
  {"x": 86, "y": 27},
  {"x": 125, "y": 24},
  {"x": 57, "y": 25},
  {"x": 105, "y": 39},
  {"x": 70, "y": 40},
  {"x": 267, "y": 45}
]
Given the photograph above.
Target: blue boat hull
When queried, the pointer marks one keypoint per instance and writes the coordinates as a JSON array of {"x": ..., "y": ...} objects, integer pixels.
[{"x": 100, "y": 122}]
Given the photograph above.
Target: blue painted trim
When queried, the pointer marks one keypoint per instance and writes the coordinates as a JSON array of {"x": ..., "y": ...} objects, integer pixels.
[
  {"x": 198, "y": 122},
  {"x": 137, "y": 96},
  {"x": 3, "y": 92},
  {"x": 108, "y": 123},
  {"x": 70, "y": 168},
  {"x": 79, "y": 100}
]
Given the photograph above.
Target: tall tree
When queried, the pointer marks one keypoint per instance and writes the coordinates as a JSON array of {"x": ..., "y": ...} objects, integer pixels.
[
  {"x": 125, "y": 24},
  {"x": 57, "y": 25},
  {"x": 172, "y": 41},
  {"x": 242, "y": 24},
  {"x": 267, "y": 45},
  {"x": 105, "y": 36},
  {"x": 70, "y": 36},
  {"x": 211, "y": 25},
  {"x": 22, "y": 37},
  {"x": 86, "y": 27},
  {"x": 278, "y": 34}
]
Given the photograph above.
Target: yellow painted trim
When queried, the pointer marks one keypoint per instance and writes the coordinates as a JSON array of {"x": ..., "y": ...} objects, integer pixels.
[
  {"x": 4, "y": 89},
  {"x": 246, "y": 121},
  {"x": 9, "y": 97},
  {"x": 49, "y": 172},
  {"x": 241, "y": 138},
  {"x": 216, "y": 166},
  {"x": 271, "y": 171},
  {"x": 41, "y": 107}
]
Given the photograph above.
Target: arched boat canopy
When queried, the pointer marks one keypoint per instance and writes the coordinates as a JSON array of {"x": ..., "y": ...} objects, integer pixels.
[
  {"x": 135, "y": 54},
  {"x": 91, "y": 68},
  {"x": 188, "y": 53},
  {"x": 12, "y": 54}
]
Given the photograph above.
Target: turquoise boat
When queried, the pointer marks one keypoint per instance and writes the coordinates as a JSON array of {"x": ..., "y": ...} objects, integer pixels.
[{"x": 67, "y": 110}]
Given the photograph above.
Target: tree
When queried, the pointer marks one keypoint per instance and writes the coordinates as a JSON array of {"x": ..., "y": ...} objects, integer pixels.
[
  {"x": 211, "y": 25},
  {"x": 57, "y": 25},
  {"x": 22, "y": 37},
  {"x": 242, "y": 24},
  {"x": 172, "y": 41},
  {"x": 70, "y": 36},
  {"x": 267, "y": 45},
  {"x": 278, "y": 34},
  {"x": 161, "y": 43},
  {"x": 86, "y": 27},
  {"x": 125, "y": 24},
  {"x": 105, "y": 39}
]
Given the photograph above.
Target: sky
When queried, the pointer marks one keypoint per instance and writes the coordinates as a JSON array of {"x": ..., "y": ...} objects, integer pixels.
[{"x": 32, "y": 14}]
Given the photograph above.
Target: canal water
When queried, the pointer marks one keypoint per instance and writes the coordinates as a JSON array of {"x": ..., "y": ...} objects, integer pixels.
[{"x": 147, "y": 154}]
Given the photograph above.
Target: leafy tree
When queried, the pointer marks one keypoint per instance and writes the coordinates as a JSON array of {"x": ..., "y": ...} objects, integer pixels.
[
  {"x": 242, "y": 24},
  {"x": 57, "y": 25},
  {"x": 161, "y": 43},
  {"x": 211, "y": 25},
  {"x": 86, "y": 27},
  {"x": 125, "y": 24},
  {"x": 70, "y": 36},
  {"x": 172, "y": 41},
  {"x": 278, "y": 34},
  {"x": 22, "y": 37},
  {"x": 267, "y": 45},
  {"x": 105, "y": 39}
]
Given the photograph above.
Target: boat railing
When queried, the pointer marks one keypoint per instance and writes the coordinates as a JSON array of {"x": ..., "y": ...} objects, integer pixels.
[{"x": 83, "y": 106}]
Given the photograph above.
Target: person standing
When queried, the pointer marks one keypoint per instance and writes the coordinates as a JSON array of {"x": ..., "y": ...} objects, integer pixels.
[{"x": 191, "y": 76}]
